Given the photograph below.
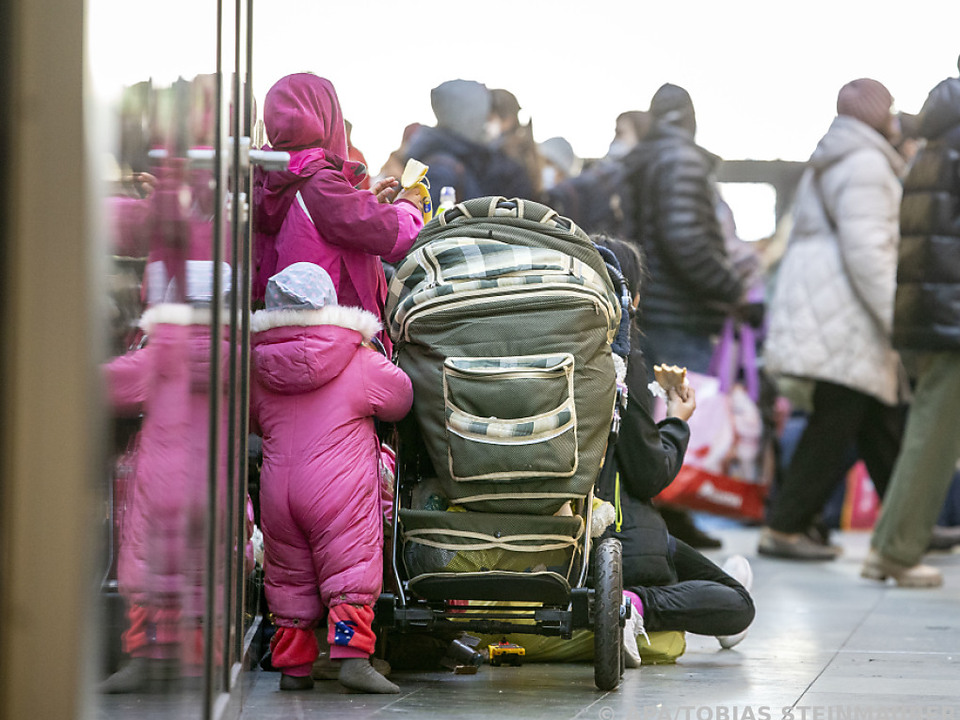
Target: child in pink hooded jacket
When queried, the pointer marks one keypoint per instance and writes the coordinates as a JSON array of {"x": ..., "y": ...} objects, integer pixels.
[
  {"x": 159, "y": 577},
  {"x": 316, "y": 388},
  {"x": 313, "y": 211}
]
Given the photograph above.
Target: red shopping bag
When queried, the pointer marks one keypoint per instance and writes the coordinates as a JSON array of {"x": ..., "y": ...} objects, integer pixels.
[
  {"x": 729, "y": 461},
  {"x": 861, "y": 504}
]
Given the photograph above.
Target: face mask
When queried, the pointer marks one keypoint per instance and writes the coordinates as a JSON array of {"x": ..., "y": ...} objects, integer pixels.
[
  {"x": 618, "y": 149},
  {"x": 492, "y": 129},
  {"x": 548, "y": 177}
]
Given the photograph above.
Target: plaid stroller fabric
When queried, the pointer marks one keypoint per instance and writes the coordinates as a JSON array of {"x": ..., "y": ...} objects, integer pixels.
[{"x": 503, "y": 315}]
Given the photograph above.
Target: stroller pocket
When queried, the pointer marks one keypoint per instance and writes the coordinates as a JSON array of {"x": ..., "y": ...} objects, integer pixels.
[
  {"x": 510, "y": 418},
  {"x": 465, "y": 542}
]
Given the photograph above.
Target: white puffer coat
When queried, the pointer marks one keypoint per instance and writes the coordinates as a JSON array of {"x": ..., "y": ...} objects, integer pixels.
[{"x": 832, "y": 310}]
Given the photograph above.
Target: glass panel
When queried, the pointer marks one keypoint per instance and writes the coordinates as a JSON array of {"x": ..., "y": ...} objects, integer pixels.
[{"x": 178, "y": 562}]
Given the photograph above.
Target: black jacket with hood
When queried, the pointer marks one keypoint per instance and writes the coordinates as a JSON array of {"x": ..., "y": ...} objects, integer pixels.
[
  {"x": 645, "y": 460},
  {"x": 691, "y": 280}
]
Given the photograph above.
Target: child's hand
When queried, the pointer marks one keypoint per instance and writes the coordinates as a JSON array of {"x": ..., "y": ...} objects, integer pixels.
[
  {"x": 411, "y": 194},
  {"x": 386, "y": 190},
  {"x": 681, "y": 401}
]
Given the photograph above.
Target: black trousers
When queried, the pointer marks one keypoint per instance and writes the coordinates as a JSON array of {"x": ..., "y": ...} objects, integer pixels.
[
  {"x": 842, "y": 418},
  {"x": 705, "y": 600}
]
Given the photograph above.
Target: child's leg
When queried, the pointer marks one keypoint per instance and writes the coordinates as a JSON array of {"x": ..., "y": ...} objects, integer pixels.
[
  {"x": 350, "y": 631},
  {"x": 293, "y": 648},
  {"x": 352, "y": 641},
  {"x": 291, "y": 588}
]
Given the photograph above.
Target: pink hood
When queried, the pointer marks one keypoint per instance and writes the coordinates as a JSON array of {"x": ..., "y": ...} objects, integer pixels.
[
  {"x": 302, "y": 111},
  {"x": 296, "y": 351}
]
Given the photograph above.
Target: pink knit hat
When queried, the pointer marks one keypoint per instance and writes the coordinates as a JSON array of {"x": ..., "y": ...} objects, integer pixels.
[{"x": 868, "y": 101}]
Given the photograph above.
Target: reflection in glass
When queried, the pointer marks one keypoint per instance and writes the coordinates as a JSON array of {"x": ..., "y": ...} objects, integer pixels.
[{"x": 167, "y": 586}]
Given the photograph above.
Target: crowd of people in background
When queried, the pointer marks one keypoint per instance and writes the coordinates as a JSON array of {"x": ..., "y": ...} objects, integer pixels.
[{"x": 861, "y": 315}]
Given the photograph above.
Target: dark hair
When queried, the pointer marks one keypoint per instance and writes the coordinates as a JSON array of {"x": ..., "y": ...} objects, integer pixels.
[
  {"x": 628, "y": 255},
  {"x": 640, "y": 120},
  {"x": 504, "y": 103}
]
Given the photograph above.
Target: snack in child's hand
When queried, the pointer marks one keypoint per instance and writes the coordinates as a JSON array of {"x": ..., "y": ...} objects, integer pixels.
[
  {"x": 415, "y": 176},
  {"x": 413, "y": 172},
  {"x": 670, "y": 376}
]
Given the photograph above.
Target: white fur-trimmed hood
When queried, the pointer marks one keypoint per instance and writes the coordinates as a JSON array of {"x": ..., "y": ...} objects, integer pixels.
[
  {"x": 174, "y": 314},
  {"x": 351, "y": 318}
]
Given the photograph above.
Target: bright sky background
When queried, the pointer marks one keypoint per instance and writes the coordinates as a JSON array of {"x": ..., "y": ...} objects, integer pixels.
[{"x": 763, "y": 74}]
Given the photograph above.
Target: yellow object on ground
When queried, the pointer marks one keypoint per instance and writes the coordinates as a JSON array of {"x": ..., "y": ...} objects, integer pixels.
[{"x": 664, "y": 647}]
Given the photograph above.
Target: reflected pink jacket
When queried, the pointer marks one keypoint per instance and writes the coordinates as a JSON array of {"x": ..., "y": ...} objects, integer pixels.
[
  {"x": 169, "y": 381},
  {"x": 315, "y": 391}
]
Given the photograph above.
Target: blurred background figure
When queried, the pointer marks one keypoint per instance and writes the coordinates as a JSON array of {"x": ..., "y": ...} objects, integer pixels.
[
  {"x": 514, "y": 138},
  {"x": 692, "y": 287},
  {"x": 599, "y": 198},
  {"x": 926, "y": 321},
  {"x": 832, "y": 315},
  {"x": 558, "y": 162},
  {"x": 458, "y": 150},
  {"x": 354, "y": 153}
]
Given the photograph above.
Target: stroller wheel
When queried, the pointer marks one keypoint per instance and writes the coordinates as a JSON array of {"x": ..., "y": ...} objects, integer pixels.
[{"x": 607, "y": 632}]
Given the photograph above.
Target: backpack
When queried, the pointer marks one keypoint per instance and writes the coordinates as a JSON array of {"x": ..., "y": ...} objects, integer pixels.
[{"x": 503, "y": 315}]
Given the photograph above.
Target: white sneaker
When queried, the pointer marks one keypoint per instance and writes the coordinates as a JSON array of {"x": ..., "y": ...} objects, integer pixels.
[
  {"x": 631, "y": 630},
  {"x": 737, "y": 567}
]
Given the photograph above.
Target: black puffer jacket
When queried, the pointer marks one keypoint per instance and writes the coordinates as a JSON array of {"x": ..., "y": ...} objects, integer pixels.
[
  {"x": 647, "y": 459},
  {"x": 691, "y": 281},
  {"x": 927, "y": 309}
]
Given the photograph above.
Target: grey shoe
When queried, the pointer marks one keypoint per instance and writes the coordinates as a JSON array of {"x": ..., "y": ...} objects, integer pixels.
[
  {"x": 133, "y": 677},
  {"x": 296, "y": 682},
  {"x": 796, "y": 546},
  {"x": 326, "y": 669},
  {"x": 944, "y": 538},
  {"x": 142, "y": 675},
  {"x": 358, "y": 674},
  {"x": 878, "y": 567}
]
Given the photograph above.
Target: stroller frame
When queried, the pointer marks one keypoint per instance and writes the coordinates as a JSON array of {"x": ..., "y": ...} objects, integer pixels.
[{"x": 555, "y": 608}]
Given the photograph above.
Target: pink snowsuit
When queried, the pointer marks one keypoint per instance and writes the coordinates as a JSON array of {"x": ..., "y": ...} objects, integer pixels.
[
  {"x": 313, "y": 212},
  {"x": 162, "y": 547},
  {"x": 315, "y": 390}
]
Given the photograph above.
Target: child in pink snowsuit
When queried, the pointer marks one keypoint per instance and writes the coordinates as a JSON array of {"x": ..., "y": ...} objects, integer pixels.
[{"x": 316, "y": 387}]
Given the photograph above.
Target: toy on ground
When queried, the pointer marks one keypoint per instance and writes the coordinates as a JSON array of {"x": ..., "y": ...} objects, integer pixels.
[{"x": 504, "y": 651}]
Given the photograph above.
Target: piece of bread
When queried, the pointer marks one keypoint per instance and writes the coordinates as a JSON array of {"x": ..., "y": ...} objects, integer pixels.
[{"x": 670, "y": 376}]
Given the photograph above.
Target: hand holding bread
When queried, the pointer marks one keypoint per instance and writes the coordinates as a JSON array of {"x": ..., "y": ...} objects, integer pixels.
[
  {"x": 670, "y": 376},
  {"x": 681, "y": 399}
]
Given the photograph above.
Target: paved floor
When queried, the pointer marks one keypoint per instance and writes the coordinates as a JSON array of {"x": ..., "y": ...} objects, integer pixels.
[{"x": 825, "y": 645}]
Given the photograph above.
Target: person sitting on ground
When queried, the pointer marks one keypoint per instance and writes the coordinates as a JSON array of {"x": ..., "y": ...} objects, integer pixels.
[{"x": 671, "y": 585}]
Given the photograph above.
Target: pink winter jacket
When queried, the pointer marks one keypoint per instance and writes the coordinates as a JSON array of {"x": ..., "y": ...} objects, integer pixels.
[
  {"x": 312, "y": 212},
  {"x": 315, "y": 391},
  {"x": 169, "y": 381}
]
